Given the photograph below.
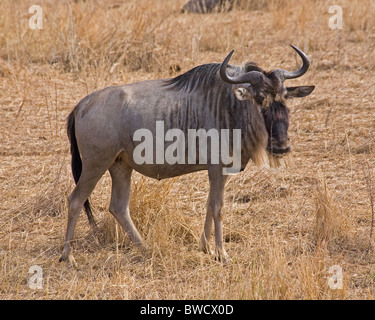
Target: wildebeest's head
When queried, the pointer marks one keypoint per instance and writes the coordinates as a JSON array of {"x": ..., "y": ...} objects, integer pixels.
[{"x": 267, "y": 90}]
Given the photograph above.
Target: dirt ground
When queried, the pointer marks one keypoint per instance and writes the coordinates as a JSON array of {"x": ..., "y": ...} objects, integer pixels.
[{"x": 288, "y": 231}]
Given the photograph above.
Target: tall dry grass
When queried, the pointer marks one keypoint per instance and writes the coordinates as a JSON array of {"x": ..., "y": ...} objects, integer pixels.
[{"x": 283, "y": 229}]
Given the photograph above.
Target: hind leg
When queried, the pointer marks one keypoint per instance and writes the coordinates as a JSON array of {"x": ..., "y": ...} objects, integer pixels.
[
  {"x": 89, "y": 177},
  {"x": 119, "y": 207}
]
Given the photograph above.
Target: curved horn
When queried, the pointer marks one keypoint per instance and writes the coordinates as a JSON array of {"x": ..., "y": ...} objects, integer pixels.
[
  {"x": 251, "y": 77},
  {"x": 284, "y": 74}
]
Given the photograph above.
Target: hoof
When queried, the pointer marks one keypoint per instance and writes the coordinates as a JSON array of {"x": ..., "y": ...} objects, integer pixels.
[
  {"x": 70, "y": 261},
  {"x": 222, "y": 256},
  {"x": 205, "y": 247},
  {"x": 68, "y": 258}
]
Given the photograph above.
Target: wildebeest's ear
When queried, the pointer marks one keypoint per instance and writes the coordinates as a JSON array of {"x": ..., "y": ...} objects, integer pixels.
[
  {"x": 299, "y": 92},
  {"x": 242, "y": 93}
]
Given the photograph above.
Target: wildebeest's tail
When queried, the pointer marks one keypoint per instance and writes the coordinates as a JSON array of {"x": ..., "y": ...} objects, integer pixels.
[{"x": 77, "y": 162}]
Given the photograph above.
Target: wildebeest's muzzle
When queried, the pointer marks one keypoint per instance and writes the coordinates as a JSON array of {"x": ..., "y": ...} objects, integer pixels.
[{"x": 276, "y": 118}]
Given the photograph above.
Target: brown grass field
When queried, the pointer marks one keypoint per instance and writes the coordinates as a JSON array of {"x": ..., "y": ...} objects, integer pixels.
[{"x": 284, "y": 229}]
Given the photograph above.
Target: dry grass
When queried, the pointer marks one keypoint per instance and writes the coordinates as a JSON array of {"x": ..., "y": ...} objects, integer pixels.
[{"x": 283, "y": 229}]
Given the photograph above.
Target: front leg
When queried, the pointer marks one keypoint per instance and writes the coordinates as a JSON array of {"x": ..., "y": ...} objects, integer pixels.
[
  {"x": 214, "y": 206},
  {"x": 206, "y": 234}
]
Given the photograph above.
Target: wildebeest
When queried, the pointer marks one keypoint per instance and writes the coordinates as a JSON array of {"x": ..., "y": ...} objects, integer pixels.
[
  {"x": 102, "y": 128},
  {"x": 207, "y": 6}
]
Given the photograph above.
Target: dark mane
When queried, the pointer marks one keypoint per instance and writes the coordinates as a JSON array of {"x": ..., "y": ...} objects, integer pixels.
[
  {"x": 203, "y": 75},
  {"x": 252, "y": 66}
]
